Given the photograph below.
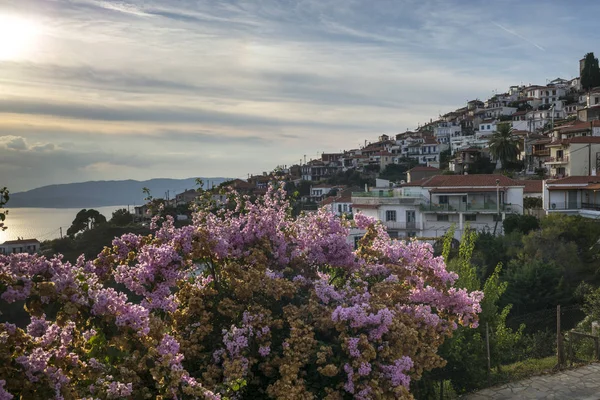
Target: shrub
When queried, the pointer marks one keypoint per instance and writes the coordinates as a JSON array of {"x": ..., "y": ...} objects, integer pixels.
[{"x": 246, "y": 302}]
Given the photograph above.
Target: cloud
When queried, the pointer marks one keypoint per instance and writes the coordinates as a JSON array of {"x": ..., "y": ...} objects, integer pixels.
[
  {"x": 519, "y": 36},
  {"x": 14, "y": 142},
  {"x": 136, "y": 88}
]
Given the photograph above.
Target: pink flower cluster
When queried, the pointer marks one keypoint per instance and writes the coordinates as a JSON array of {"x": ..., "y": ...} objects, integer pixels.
[{"x": 308, "y": 291}]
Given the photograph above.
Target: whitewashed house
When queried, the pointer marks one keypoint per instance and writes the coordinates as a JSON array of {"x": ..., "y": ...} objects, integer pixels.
[
  {"x": 430, "y": 207},
  {"x": 30, "y": 246},
  {"x": 574, "y": 195}
]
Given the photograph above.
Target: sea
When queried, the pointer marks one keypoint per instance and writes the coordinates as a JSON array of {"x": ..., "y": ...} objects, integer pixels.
[{"x": 44, "y": 223}]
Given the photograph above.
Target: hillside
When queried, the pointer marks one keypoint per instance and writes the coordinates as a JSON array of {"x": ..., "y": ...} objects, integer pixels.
[{"x": 102, "y": 193}]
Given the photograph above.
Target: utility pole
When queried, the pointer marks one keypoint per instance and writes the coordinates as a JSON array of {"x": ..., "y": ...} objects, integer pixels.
[
  {"x": 60, "y": 228},
  {"x": 589, "y": 159}
]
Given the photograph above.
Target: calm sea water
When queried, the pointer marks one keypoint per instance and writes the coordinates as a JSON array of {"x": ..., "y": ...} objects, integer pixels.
[{"x": 43, "y": 223}]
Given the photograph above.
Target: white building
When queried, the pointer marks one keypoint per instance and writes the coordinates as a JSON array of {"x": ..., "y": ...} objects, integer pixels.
[
  {"x": 574, "y": 195},
  {"x": 318, "y": 192},
  {"x": 339, "y": 205},
  {"x": 430, "y": 207},
  {"x": 31, "y": 246}
]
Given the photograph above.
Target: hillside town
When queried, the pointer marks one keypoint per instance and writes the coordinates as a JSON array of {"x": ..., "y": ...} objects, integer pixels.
[{"x": 453, "y": 177}]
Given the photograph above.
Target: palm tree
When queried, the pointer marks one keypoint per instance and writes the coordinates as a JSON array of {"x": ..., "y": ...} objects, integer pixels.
[{"x": 503, "y": 145}]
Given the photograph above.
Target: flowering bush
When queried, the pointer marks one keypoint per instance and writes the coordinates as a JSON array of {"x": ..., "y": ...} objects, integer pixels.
[{"x": 245, "y": 303}]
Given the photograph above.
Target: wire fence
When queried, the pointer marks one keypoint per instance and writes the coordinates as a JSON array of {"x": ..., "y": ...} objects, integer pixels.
[{"x": 550, "y": 339}]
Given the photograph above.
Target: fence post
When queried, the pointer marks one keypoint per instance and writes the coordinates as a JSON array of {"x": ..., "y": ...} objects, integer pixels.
[
  {"x": 487, "y": 342},
  {"x": 560, "y": 352}
]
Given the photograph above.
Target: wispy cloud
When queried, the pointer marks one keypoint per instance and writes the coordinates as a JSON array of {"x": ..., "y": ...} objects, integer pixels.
[
  {"x": 231, "y": 87},
  {"x": 505, "y": 29}
]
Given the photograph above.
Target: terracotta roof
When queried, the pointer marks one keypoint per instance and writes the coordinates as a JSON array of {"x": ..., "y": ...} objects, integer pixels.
[
  {"x": 518, "y": 132},
  {"x": 572, "y": 187},
  {"x": 488, "y": 121},
  {"x": 20, "y": 241},
  {"x": 439, "y": 181},
  {"x": 519, "y": 113},
  {"x": 422, "y": 168},
  {"x": 430, "y": 141},
  {"x": 579, "y": 126},
  {"x": 584, "y": 139},
  {"x": 240, "y": 184},
  {"x": 532, "y": 186},
  {"x": 575, "y": 180},
  {"x": 383, "y": 153}
]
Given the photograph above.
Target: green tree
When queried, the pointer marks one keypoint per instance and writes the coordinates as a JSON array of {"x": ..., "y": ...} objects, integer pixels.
[
  {"x": 532, "y": 202},
  {"x": 445, "y": 157},
  {"x": 503, "y": 145},
  {"x": 394, "y": 172},
  {"x": 85, "y": 220},
  {"x": 466, "y": 351},
  {"x": 4, "y": 197},
  {"x": 590, "y": 75},
  {"x": 121, "y": 217},
  {"x": 522, "y": 223},
  {"x": 535, "y": 285}
]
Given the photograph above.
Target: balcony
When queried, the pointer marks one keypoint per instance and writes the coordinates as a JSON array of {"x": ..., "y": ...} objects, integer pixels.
[
  {"x": 541, "y": 153},
  {"x": 486, "y": 207},
  {"x": 557, "y": 160},
  {"x": 387, "y": 197},
  {"x": 401, "y": 225},
  {"x": 558, "y": 206},
  {"x": 379, "y": 193}
]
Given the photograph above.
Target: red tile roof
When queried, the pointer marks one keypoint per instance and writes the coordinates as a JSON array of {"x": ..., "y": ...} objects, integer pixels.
[
  {"x": 532, "y": 186},
  {"x": 584, "y": 139},
  {"x": 422, "y": 168},
  {"x": 21, "y": 241},
  {"x": 575, "y": 180},
  {"x": 579, "y": 126}
]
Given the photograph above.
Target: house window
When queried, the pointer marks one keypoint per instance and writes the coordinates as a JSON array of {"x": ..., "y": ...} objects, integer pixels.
[
  {"x": 470, "y": 217},
  {"x": 345, "y": 207},
  {"x": 497, "y": 217},
  {"x": 443, "y": 199},
  {"x": 488, "y": 127},
  {"x": 339, "y": 208},
  {"x": 356, "y": 240},
  {"x": 411, "y": 234},
  {"x": 390, "y": 215},
  {"x": 442, "y": 218}
]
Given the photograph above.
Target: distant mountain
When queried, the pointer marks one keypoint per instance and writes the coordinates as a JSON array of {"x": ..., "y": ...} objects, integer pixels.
[{"x": 103, "y": 193}]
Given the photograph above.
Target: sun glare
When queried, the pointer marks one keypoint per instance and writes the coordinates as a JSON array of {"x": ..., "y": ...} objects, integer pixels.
[{"x": 17, "y": 37}]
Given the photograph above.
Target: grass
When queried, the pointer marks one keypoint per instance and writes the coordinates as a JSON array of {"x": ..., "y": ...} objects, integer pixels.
[{"x": 523, "y": 369}]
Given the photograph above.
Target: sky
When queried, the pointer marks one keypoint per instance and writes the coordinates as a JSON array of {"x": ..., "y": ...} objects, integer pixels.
[{"x": 140, "y": 89}]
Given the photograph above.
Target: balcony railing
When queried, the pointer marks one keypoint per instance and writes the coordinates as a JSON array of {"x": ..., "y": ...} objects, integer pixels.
[
  {"x": 575, "y": 206},
  {"x": 380, "y": 193},
  {"x": 541, "y": 153},
  {"x": 401, "y": 225},
  {"x": 487, "y": 207},
  {"x": 557, "y": 160}
]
